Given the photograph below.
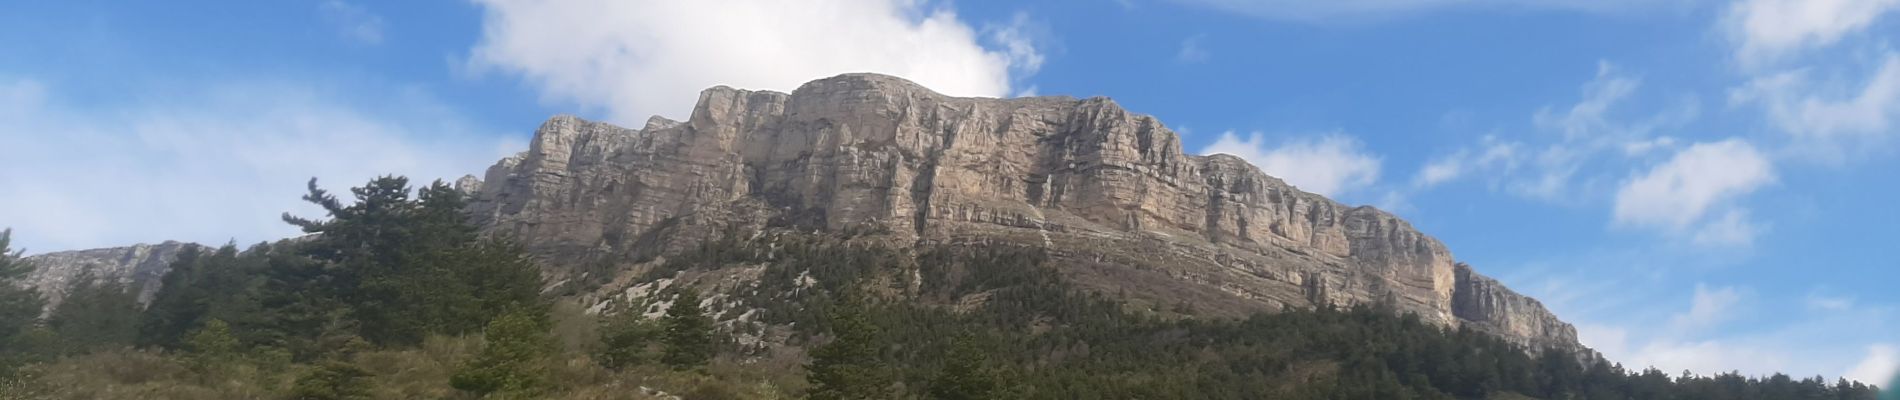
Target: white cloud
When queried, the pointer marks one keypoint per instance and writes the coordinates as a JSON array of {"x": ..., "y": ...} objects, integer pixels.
[
  {"x": 353, "y": 21},
  {"x": 1680, "y": 192},
  {"x": 1765, "y": 30},
  {"x": 1882, "y": 361},
  {"x": 213, "y": 164},
  {"x": 1798, "y": 105},
  {"x": 1804, "y": 344},
  {"x": 1333, "y": 10},
  {"x": 1583, "y": 136},
  {"x": 1328, "y": 165},
  {"x": 1645, "y": 146},
  {"x": 1708, "y": 307},
  {"x": 1817, "y": 301},
  {"x": 1192, "y": 52},
  {"x": 1733, "y": 229},
  {"x": 1590, "y": 115},
  {"x": 644, "y": 57},
  {"x": 1493, "y": 155}
]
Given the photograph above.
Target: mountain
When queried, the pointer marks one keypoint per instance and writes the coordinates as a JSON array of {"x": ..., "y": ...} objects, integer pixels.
[
  {"x": 1108, "y": 193},
  {"x": 141, "y": 266}
]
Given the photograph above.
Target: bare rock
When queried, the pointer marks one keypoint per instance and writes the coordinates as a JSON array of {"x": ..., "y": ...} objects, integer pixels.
[
  {"x": 140, "y": 267},
  {"x": 1110, "y": 192}
]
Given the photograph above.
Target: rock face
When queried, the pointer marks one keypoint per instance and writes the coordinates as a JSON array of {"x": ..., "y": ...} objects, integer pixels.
[
  {"x": 1107, "y": 191},
  {"x": 141, "y": 267}
]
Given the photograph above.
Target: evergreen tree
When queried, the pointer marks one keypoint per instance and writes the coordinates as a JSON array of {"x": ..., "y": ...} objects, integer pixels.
[
  {"x": 513, "y": 362},
  {"x": 624, "y": 339},
  {"x": 850, "y": 366},
  {"x": 331, "y": 380},
  {"x": 689, "y": 333},
  {"x": 98, "y": 314},
  {"x": 203, "y": 285},
  {"x": 405, "y": 268},
  {"x": 20, "y": 307},
  {"x": 212, "y": 346},
  {"x": 966, "y": 374}
]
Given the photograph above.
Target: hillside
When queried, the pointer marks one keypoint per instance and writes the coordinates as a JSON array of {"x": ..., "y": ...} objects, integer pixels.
[{"x": 1109, "y": 193}]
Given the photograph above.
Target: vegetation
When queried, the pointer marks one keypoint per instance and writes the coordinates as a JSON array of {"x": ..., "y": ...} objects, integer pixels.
[
  {"x": 19, "y": 309},
  {"x": 689, "y": 333},
  {"x": 850, "y": 366},
  {"x": 398, "y": 297},
  {"x": 626, "y": 339}
]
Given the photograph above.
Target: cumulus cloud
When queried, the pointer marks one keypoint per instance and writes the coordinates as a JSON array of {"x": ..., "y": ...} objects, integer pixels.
[
  {"x": 352, "y": 21},
  {"x": 1679, "y": 193},
  {"x": 1882, "y": 361},
  {"x": 1328, "y": 164},
  {"x": 637, "y": 58},
  {"x": 1333, "y": 10},
  {"x": 1766, "y": 30},
  {"x": 213, "y": 164}
]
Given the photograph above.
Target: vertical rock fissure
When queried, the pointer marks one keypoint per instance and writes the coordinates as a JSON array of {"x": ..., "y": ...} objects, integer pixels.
[{"x": 920, "y": 189}]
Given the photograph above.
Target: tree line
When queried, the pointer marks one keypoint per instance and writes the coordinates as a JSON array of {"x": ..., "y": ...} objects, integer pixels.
[{"x": 395, "y": 283}]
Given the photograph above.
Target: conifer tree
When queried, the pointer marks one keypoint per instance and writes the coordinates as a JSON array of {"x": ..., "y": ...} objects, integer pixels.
[
  {"x": 20, "y": 307},
  {"x": 331, "y": 380},
  {"x": 966, "y": 373},
  {"x": 98, "y": 314},
  {"x": 850, "y": 366},
  {"x": 624, "y": 339},
  {"x": 406, "y": 268},
  {"x": 212, "y": 346},
  {"x": 513, "y": 362},
  {"x": 689, "y": 335}
]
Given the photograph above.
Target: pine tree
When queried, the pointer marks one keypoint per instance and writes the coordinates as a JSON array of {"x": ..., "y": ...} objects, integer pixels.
[
  {"x": 624, "y": 339},
  {"x": 406, "y": 268},
  {"x": 204, "y": 285},
  {"x": 513, "y": 362},
  {"x": 212, "y": 347},
  {"x": 331, "y": 380},
  {"x": 689, "y": 335},
  {"x": 849, "y": 367},
  {"x": 20, "y": 307},
  {"x": 98, "y": 314},
  {"x": 966, "y": 373}
]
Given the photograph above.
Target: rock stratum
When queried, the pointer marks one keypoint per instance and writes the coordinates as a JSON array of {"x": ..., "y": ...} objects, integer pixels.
[{"x": 1109, "y": 193}]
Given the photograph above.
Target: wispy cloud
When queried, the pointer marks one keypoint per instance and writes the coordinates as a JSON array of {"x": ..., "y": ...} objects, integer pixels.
[
  {"x": 1192, "y": 51},
  {"x": 352, "y": 21},
  {"x": 1338, "y": 10},
  {"x": 213, "y": 163},
  {"x": 1567, "y": 162}
]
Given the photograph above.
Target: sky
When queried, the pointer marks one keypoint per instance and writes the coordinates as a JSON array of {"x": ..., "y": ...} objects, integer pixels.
[{"x": 1700, "y": 185}]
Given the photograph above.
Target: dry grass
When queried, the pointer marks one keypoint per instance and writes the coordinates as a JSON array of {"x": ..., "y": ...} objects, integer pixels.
[{"x": 417, "y": 373}]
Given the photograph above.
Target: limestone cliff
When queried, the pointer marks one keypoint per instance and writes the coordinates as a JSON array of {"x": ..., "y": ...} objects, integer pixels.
[
  {"x": 1108, "y": 191},
  {"x": 141, "y": 267}
]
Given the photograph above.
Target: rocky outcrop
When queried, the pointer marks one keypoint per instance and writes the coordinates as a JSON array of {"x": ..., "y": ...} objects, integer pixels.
[
  {"x": 1110, "y": 192},
  {"x": 140, "y": 267}
]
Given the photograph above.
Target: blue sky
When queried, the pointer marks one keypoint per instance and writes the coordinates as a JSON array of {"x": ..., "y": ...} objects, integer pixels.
[{"x": 1697, "y": 184}]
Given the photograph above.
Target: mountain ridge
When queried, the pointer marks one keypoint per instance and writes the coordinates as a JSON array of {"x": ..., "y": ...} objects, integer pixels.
[
  {"x": 1107, "y": 190},
  {"x": 873, "y": 152}
]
